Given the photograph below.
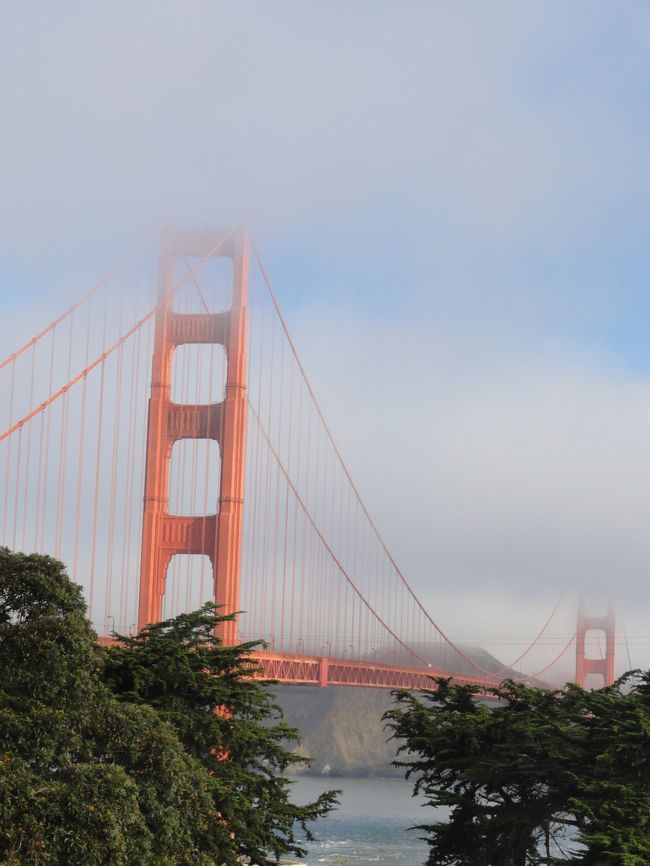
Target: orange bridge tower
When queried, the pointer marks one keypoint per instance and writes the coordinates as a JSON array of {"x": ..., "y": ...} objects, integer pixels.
[
  {"x": 216, "y": 535},
  {"x": 606, "y": 626}
]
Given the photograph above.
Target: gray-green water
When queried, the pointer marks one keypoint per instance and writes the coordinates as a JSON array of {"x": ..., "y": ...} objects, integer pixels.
[{"x": 370, "y": 828}]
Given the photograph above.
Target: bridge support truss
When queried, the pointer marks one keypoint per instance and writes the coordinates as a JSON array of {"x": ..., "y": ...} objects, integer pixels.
[
  {"x": 293, "y": 669},
  {"x": 216, "y": 535}
]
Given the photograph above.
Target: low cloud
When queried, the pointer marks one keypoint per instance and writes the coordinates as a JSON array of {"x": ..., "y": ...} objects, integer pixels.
[{"x": 498, "y": 484}]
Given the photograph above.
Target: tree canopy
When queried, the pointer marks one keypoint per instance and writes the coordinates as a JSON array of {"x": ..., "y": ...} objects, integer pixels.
[
  {"x": 157, "y": 752},
  {"x": 225, "y": 720},
  {"x": 539, "y": 777}
]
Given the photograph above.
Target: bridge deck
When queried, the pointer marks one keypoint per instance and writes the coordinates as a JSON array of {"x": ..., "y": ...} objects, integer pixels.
[
  {"x": 322, "y": 671},
  {"x": 305, "y": 670}
]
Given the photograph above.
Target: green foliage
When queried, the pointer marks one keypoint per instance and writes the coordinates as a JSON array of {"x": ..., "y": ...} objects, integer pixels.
[
  {"x": 105, "y": 761},
  {"x": 225, "y": 720},
  {"x": 612, "y": 795},
  {"x": 538, "y": 777}
]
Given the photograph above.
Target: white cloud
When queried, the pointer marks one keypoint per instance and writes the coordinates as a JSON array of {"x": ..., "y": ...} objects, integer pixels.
[
  {"x": 499, "y": 484},
  {"x": 310, "y": 118}
]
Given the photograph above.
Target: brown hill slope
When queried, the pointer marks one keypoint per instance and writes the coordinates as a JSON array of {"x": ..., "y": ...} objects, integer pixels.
[{"x": 341, "y": 728}]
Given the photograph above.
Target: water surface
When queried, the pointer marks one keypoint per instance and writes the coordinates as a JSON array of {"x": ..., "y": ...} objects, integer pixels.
[{"x": 371, "y": 824}]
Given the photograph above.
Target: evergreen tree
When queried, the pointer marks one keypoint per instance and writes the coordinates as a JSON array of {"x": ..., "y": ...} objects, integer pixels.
[
  {"x": 83, "y": 780},
  {"x": 537, "y": 777},
  {"x": 90, "y": 779},
  {"x": 611, "y": 797},
  {"x": 225, "y": 720}
]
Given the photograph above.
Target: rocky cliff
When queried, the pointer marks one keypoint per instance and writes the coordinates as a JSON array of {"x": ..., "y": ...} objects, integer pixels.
[{"x": 341, "y": 728}]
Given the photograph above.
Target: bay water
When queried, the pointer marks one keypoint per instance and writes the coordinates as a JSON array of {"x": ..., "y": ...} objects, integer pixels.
[{"x": 370, "y": 826}]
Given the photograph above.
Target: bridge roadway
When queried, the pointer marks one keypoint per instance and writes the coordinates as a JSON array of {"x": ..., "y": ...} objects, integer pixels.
[
  {"x": 322, "y": 671},
  {"x": 306, "y": 670}
]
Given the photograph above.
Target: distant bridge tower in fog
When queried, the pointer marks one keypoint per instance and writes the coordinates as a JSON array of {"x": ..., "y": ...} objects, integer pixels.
[
  {"x": 175, "y": 380},
  {"x": 604, "y": 633}
]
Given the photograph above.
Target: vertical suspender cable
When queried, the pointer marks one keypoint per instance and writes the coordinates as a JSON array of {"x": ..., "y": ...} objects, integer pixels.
[
  {"x": 29, "y": 448},
  {"x": 5, "y": 510},
  {"x": 112, "y": 517},
  {"x": 98, "y": 454},
  {"x": 17, "y": 489},
  {"x": 48, "y": 428},
  {"x": 286, "y": 515},
  {"x": 63, "y": 449},
  {"x": 82, "y": 431}
]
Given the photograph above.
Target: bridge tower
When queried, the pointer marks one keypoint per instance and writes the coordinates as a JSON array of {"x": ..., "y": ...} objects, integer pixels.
[
  {"x": 606, "y": 625},
  {"x": 217, "y": 535}
]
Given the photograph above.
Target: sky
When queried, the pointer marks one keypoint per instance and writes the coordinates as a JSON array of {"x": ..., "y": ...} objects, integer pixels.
[{"x": 452, "y": 200}]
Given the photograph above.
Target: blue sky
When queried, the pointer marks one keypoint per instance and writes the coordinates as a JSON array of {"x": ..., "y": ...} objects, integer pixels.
[{"x": 460, "y": 190}]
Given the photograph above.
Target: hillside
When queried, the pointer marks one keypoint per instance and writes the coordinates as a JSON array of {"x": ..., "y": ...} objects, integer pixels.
[{"x": 341, "y": 728}]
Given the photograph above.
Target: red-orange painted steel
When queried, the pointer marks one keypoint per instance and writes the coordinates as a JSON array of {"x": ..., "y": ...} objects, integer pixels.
[
  {"x": 602, "y": 666},
  {"x": 217, "y": 535},
  {"x": 322, "y": 671}
]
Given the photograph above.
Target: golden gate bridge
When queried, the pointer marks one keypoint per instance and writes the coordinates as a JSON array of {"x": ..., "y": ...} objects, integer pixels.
[{"x": 161, "y": 437}]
